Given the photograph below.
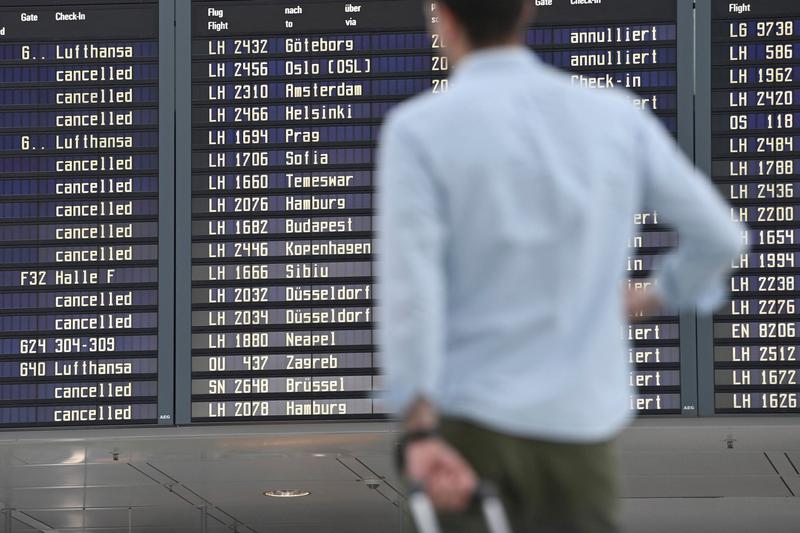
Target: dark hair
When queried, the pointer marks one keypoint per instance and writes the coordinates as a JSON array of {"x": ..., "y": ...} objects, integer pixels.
[{"x": 487, "y": 22}]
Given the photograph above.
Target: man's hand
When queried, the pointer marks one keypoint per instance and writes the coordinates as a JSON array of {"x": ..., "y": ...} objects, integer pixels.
[
  {"x": 438, "y": 467},
  {"x": 447, "y": 478},
  {"x": 641, "y": 302}
]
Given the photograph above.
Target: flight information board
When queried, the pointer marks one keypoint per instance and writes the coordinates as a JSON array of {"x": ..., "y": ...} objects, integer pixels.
[
  {"x": 632, "y": 45},
  {"x": 755, "y": 127},
  {"x": 269, "y": 243},
  {"x": 79, "y": 149},
  {"x": 287, "y": 102}
]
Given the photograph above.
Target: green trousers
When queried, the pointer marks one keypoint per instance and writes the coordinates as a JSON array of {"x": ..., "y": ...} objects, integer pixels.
[{"x": 547, "y": 487}]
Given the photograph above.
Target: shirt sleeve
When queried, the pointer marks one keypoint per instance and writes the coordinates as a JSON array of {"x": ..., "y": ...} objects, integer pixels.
[
  {"x": 694, "y": 274},
  {"x": 411, "y": 288}
]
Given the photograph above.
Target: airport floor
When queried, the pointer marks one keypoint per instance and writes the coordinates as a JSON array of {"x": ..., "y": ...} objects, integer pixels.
[
  {"x": 679, "y": 475},
  {"x": 711, "y": 515}
]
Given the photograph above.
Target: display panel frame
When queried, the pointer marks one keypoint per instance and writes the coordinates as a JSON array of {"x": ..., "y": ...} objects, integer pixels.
[
  {"x": 167, "y": 215},
  {"x": 702, "y": 131},
  {"x": 183, "y": 211},
  {"x": 686, "y": 140}
]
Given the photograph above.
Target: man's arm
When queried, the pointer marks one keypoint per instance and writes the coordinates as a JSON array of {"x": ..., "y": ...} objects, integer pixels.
[
  {"x": 411, "y": 304},
  {"x": 694, "y": 274},
  {"x": 411, "y": 297}
]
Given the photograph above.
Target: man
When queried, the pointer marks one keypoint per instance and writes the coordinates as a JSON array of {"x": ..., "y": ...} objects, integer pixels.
[{"x": 506, "y": 208}]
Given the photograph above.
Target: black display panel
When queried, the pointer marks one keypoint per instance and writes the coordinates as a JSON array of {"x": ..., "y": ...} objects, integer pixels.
[
  {"x": 631, "y": 45},
  {"x": 284, "y": 103},
  {"x": 755, "y": 142},
  {"x": 79, "y": 213},
  {"x": 287, "y": 101}
]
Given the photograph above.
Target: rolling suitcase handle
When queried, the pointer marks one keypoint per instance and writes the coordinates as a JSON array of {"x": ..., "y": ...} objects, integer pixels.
[{"x": 425, "y": 515}]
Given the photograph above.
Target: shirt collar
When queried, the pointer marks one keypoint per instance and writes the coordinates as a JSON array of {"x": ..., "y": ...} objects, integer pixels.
[{"x": 506, "y": 58}]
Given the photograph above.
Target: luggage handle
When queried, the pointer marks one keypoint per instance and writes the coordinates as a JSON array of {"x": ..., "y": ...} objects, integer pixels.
[{"x": 492, "y": 507}]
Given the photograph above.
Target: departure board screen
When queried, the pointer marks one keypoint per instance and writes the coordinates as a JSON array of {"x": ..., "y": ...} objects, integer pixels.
[
  {"x": 287, "y": 103},
  {"x": 755, "y": 126},
  {"x": 629, "y": 45},
  {"x": 78, "y": 213},
  {"x": 256, "y": 281}
]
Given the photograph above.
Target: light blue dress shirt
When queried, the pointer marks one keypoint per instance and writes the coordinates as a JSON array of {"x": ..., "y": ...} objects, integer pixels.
[{"x": 506, "y": 208}]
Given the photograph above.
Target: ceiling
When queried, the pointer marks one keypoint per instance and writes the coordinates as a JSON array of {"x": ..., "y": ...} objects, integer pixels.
[{"x": 677, "y": 476}]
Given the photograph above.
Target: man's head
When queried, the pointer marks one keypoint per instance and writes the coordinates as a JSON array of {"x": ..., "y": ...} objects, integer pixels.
[{"x": 467, "y": 25}]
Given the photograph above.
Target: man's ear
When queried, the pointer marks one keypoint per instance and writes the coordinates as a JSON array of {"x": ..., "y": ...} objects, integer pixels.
[
  {"x": 528, "y": 11},
  {"x": 528, "y": 15}
]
